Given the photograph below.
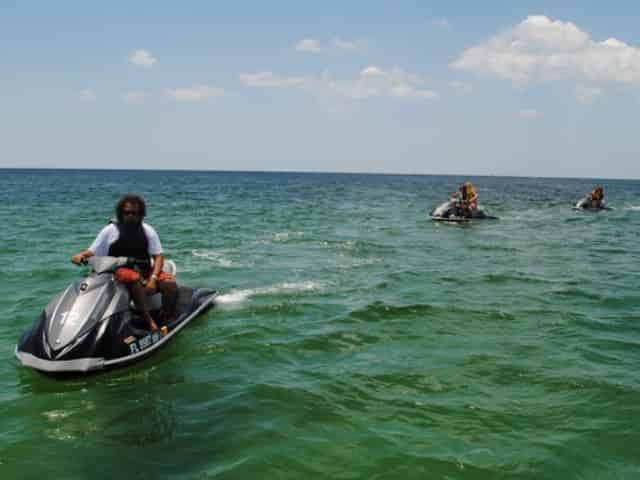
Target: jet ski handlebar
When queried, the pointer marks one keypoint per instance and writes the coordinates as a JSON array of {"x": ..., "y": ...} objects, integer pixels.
[{"x": 110, "y": 264}]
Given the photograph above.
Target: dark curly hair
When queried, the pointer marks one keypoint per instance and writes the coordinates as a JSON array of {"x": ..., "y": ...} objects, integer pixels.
[{"x": 133, "y": 199}]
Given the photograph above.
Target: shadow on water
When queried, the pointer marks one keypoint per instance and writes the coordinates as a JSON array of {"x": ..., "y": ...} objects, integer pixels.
[{"x": 133, "y": 422}]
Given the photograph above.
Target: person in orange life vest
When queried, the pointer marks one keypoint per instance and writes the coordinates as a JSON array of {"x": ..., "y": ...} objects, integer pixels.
[{"x": 131, "y": 237}]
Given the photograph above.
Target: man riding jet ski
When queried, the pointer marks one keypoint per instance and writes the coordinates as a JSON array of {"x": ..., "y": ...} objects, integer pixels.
[
  {"x": 131, "y": 237},
  {"x": 94, "y": 323},
  {"x": 462, "y": 206},
  {"x": 593, "y": 201}
]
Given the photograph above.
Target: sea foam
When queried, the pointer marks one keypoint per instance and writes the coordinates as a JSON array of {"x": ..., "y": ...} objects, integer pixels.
[{"x": 236, "y": 297}]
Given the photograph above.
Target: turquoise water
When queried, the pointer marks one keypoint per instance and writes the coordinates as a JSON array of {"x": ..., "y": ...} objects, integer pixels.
[{"x": 353, "y": 339}]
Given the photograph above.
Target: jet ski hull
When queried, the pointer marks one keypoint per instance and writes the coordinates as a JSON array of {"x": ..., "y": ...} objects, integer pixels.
[
  {"x": 583, "y": 205},
  {"x": 592, "y": 210},
  {"x": 448, "y": 212},
  {"x": 93, "y": 326}
]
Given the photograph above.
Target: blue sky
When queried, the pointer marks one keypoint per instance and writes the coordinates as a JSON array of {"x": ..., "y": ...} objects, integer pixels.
[{"x": 505, "y": 88}]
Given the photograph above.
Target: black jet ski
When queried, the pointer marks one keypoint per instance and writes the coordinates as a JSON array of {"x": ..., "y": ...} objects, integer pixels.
[
  {"x": 451, "y": 211},
  {"x": 585, "y": 205},
  {"x": 93, "y": 325}
]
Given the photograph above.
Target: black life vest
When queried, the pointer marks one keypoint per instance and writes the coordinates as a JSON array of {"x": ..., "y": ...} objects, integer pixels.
[{"x": 132, "y": 242}]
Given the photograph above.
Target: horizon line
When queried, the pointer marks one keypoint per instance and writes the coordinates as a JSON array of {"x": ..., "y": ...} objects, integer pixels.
[{"x": 308, "y": 172}]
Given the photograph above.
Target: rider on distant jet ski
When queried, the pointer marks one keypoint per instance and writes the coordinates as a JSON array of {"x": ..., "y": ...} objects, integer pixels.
[
  {"x": 466, "y": 200},
  {"x": 593, "y": 200},
  {"x": 462, "y": 206},
  {"x": 596, "y": 198},
  {"x": 131, "y": 237}
]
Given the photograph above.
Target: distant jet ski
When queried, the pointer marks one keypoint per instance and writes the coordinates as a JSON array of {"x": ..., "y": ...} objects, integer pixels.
[
  {"x": 593, "y": 201},
  {"x": 451, "y": 211},
  {"x": 93, "y": 325},
  {"x": 587, "y": 205}
]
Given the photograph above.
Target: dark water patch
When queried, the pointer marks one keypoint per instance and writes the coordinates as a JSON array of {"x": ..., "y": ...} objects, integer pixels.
[
  {"x": 623, "y": 302},
  {"x": 280, "y": 310},
  {"x": 474, "y": 314},
  {"x": 363, "y": 247},
  {"x": 600, "y": 356},
  {"x": 404, "y": 275},
  {"x": 151, "y": 423},
  {"x": 597, "y": 326},
  {"x": 610, "y": 250},
  {"x": 381, "y": 286},
  {"x": 426, "y": 383},
  {"x": 586, "y": 386},
  {"x": 563, "y": 329},
  {"x": 624, "y": 328},
  {"x": 505, "y": 278},
  {"x": 497, "y": 246},
  {"x": 351, "y": 396},
  {"x": 613, "y": 348},
  {"x": 378, "y": 311},
  {"x": 497, "y": 370},
  {"x": 578, "y": 218},
  {"x": 340, "y": 342},
  {"x": 577, "y": 293},
  {"x": 9, "y": 251},
  {"x": 455, "y": 280},
  {"x": 539, "y": 313},
  {"x": 475, "y": 463},
  {"x": 306, "y": 405}
]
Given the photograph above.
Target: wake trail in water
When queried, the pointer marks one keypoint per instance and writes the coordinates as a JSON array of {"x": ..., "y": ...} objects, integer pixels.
[
  {"x": 235, "y": 298},
  {"x": 214, "y": 257}
]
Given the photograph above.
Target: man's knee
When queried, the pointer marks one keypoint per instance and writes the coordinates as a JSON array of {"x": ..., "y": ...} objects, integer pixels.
[
  {"x": 168, "y": 285},
  {"x": 134, "y": 286}
]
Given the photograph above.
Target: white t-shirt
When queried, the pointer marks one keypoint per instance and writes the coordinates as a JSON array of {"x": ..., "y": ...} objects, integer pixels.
[{"x": 109, "y": 234}]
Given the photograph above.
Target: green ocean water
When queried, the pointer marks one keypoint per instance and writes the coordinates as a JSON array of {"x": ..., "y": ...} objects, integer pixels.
[{"x": 353, "y": 337}]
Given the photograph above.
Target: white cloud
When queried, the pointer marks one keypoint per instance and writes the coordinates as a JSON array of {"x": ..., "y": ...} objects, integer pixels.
[
  {"x": 308, "y": 45},
  {"x": 588, "y": 95},
  {"x": 530, "y": 114},
  {"x": 371, "y": 82},
  {"x": 135, "y": 96},
  {"x": 269, "y": 80},
  {"x": 87, "y": 95},
  {"x": 542, "y": 49},
  {"x": 194, "y": 94},
  {"x": 312, "y": 45},
  {"x": 342, "y": 44},
  {"x": 442, "y": 23},
  {"x": 371, "y": 71},
  {"x": 142, "y": 58}
]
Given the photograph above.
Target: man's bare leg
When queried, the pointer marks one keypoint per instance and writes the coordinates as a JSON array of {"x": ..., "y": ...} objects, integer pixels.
[
  {"x": 169, "y": 290},
  {"x": 136, "y": 290}
]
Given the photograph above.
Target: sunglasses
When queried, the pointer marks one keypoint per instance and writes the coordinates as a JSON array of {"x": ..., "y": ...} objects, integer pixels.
[{"x": 133, "y": 213}]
